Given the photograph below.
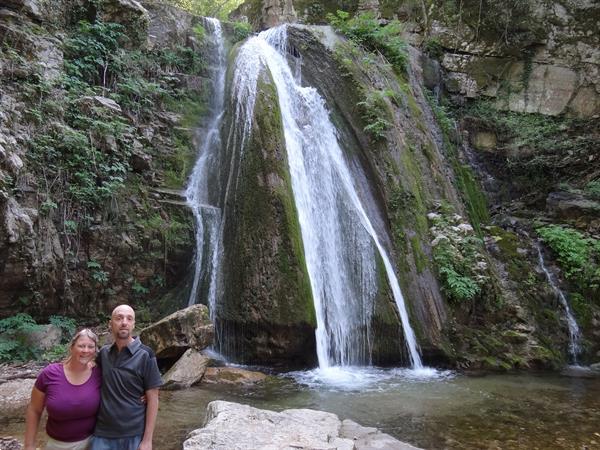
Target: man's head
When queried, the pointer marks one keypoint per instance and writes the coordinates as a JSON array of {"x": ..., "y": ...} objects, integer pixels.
[{"x": 122, "y": 322}]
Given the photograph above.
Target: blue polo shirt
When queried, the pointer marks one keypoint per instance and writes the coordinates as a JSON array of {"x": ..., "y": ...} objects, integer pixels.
[{"x": 126, "y": 376}]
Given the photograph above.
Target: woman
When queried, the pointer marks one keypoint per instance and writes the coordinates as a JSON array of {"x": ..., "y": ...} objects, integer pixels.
[{"x": 71, "y": 393}]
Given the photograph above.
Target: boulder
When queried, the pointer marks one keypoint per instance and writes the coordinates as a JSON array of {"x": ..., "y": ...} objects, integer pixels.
[
  {"x": 232, "y": 375},
  {"x": 187, "y": 328},
  {"x": 14, "y": 398},
  {"x": 187, "y": 371},
  {"x": 47, "y": 337},
  {"x": 234, "y": 426}
]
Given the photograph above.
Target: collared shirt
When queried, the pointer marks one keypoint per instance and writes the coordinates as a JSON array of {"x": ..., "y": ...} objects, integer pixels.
[{"x": 126, "y": 376}]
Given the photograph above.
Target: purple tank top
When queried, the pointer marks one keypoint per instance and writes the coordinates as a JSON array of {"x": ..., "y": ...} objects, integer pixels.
[{"x": 71, "y": 409}]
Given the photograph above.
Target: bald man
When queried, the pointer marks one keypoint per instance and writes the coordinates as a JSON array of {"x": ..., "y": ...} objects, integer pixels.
[{"x": 129, "y": 371}]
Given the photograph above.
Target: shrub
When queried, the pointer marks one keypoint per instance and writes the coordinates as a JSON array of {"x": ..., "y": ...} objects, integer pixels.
[
  {"x": 459, "y": 257},
  {"x": 14, "y": 332},
  {"x": 365, "y": 30},
  {"x": 577, "y": 255}
]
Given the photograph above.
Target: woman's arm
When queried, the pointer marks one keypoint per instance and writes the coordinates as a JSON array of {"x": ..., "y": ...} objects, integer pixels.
[{"x": 32, "y": 417}]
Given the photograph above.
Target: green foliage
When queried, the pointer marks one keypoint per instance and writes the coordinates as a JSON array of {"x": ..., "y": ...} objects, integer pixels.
[
  {"x": 433, "y": 47},
  {"x": 376, "y": 112},
  {"x": 14, "y": 332},
  {"x": 578, "y": 256},
  {"x": 593, "y": 189},
  {"x": 241, "y": 30},
  {"x": 365, "y": 30},
  {"x": 98, "y": 275},
  {"x": 208, "y": 8},
  {"x": 467, "y": 183},
  {"x": 459, "y": 257},
  {"x": 66, "y": 324},
  {"x": 90, "y": 54},
  {"x": 139, "y": 289},
  {"x": 56, "y": 353},
  {"x": 199, "y": 32}
]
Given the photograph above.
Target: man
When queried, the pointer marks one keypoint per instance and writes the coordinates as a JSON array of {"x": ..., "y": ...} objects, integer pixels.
[{"x": 129, "y": 371}]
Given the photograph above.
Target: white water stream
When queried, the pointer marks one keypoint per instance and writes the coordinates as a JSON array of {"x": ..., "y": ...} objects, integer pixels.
[
  {"x": 574, "y": 333},
  {"x": 200, "y": 191},
  {"x": 341, "y": 246}
]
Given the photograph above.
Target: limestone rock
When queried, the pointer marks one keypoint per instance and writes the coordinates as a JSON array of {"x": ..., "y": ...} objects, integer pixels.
[
  {"x": 86, "y": 103},
  {"x": 276, "y": 12},
  {"x": 29, "y": 7},
  {"x": 14, "y": 398},
  {"x": 187, "y": 371},
  {"x": 17, "y": 221},
  {"x": 567, "y": 205},
  {"x": 173, "y": 335},
  {"x": 46, "y": 337},
  {"x": 231, "y": 426},
  {"x": 368, "y": 438},
  {"x": 232, "y": 375}
]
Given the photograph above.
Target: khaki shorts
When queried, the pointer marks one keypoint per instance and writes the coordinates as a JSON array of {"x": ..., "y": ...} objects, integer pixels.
[{"x": 53, "y": 444}]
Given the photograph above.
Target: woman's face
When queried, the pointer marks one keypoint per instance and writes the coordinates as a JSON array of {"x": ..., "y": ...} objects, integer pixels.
[{"x": 83, "y": 350}]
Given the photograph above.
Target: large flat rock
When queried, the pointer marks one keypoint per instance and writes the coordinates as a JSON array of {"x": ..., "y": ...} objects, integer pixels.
[
  {"x": 231, "y": 426},
  {"x": 172, "y": 336}
]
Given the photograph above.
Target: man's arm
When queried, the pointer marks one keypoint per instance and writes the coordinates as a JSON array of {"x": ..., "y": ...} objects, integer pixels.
[{"x": 151, "y": 413}]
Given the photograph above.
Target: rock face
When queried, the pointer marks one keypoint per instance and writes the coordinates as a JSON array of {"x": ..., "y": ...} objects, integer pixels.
[
  {"x": 233, "y": 426},
  {"x": 63, "y": 255},
  {"x": 172, "y": 336},
  {"x": 266, "y": 314},
  {"x": 556, "y": 69}
]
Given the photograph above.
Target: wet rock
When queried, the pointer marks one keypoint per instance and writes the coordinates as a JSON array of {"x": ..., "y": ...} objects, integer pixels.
[
  {"x": 187, "y": 371},
  {"x": 231, "y": 425},
  {"x": 172, "y": 336},
  {"x": 232, "y": 375},
  {"x": 368, "y": 438}
]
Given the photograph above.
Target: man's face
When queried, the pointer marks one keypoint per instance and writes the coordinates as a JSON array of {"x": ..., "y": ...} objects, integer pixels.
[{"x": 122, "y": 322}]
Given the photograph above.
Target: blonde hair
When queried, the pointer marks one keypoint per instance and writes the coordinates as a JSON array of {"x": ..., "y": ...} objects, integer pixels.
[{"x": 85, "y": 332}]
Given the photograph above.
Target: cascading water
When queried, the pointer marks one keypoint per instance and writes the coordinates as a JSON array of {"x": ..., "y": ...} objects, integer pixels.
[
  {"x": 574, "y": 334},
  {"x": 341, "y": 246},
  {"x": 203, "y": 200}
]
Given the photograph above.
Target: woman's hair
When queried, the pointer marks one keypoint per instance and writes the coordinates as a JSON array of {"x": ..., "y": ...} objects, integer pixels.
[{"x": 86, "y": 332}]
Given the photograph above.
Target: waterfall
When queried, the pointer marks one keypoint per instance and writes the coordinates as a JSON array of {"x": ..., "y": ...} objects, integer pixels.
[
  {"x": 201, "y": 193},
  {"x": 341, "y": 247},
  {"x": 574, "y": 334}
]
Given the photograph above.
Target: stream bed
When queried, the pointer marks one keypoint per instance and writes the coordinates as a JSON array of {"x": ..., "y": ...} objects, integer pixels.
[{"x": 444, "y": 411}]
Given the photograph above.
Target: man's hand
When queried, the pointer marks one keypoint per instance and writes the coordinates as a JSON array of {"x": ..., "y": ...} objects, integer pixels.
[{"x": 145, "y": 445}]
